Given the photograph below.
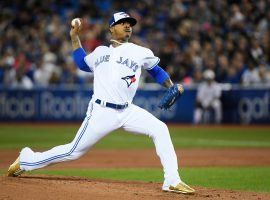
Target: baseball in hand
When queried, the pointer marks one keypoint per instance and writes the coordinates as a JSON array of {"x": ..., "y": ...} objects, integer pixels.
[{"x": 73, "y": 22}]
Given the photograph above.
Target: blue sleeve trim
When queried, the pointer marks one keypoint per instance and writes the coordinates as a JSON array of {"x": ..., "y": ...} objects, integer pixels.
[
  {"x": 78, "y": 57},
  {"x": 159, "y": 74}
]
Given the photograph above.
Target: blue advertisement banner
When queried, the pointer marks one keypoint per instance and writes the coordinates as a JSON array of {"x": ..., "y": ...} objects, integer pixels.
[
  {"x": 239, "y": 105},
  {"x": 246, "y": 106}
]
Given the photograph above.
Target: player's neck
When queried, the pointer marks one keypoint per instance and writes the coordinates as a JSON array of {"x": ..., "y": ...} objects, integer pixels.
[{"x": 116, "y": 43}]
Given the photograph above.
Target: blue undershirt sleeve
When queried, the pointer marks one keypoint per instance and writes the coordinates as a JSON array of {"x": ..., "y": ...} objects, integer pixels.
[
  {"x": 159, "y": 74},
  {"x": 78, "y": 57}
]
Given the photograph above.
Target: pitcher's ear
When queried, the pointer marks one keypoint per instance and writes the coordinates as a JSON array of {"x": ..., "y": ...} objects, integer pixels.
[{"x": 111, "y": 29}]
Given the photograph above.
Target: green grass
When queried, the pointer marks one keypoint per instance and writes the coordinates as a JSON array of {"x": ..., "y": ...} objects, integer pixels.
[
  {"x": 18, "y": 136},
  {"x": 244, "y": 178},
  {"x": 222, "y": 136}
]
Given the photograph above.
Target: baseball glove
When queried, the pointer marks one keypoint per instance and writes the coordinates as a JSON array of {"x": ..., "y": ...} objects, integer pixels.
[{"x": 170, "y": 97}]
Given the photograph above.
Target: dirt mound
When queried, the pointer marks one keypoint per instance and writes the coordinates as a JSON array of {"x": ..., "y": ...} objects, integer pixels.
[{"x": 55, "y": 187}]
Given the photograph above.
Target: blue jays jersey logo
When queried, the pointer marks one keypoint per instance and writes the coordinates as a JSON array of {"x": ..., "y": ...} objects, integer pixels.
[{"x": 129, "y": 79}]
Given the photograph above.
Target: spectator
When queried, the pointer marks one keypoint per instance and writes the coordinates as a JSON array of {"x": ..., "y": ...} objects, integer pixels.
[
  {"x": 222, "y": 68},
  {"x": 21, "y": 80},
  {"x": 41, "y": 77},
  {"x": 190, "y": 37},
  {"x": 251, "y": 76}
]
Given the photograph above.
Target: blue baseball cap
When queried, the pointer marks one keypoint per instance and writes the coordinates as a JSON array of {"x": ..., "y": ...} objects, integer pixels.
[{"x": 121, "y": 16}]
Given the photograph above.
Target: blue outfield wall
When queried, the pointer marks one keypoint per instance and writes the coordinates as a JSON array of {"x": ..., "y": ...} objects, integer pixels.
[{"x": 239, "y": 105}]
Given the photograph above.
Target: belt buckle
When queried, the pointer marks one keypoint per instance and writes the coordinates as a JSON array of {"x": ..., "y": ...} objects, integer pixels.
[
  {"x": 103, "y": 103},
  {"x": 126, "y": 105}
]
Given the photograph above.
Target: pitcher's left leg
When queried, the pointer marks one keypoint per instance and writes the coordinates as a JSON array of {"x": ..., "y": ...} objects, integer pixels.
[{"x": 140, "y": 121}]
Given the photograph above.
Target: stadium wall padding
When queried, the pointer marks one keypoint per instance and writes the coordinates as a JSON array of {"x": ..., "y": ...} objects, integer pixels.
[{"x": 245, "y": 106}]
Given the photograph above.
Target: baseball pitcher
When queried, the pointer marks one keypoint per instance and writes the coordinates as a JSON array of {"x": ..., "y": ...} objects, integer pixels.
[{"x": 117, "y": 71}]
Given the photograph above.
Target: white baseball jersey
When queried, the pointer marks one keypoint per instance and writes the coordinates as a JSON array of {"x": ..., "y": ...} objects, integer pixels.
[{"x": 117, "y": 71}]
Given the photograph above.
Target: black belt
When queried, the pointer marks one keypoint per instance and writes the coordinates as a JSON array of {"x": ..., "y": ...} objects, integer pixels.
[{"x": 112, "y": 105}]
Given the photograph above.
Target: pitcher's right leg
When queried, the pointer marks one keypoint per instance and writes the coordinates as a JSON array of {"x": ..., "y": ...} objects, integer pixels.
[
  {"x": 98, "y": 123},
  {"x": 30, "y": 160}
]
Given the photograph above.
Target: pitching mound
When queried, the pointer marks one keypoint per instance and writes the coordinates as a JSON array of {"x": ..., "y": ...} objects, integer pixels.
[{"x": 55, "y": 187}]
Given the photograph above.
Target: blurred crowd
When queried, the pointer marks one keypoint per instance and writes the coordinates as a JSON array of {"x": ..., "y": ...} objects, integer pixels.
[{"x": 227, "y": 36}]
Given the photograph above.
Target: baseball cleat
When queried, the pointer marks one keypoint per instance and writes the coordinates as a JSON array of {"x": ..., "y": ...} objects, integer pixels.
[
  {"x": 14, "y": 169},
  {"x": 181, "y": 188}
]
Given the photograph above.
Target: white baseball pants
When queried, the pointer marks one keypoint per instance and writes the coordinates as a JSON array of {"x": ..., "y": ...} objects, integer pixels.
[{"x": 99, "y": 122}]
